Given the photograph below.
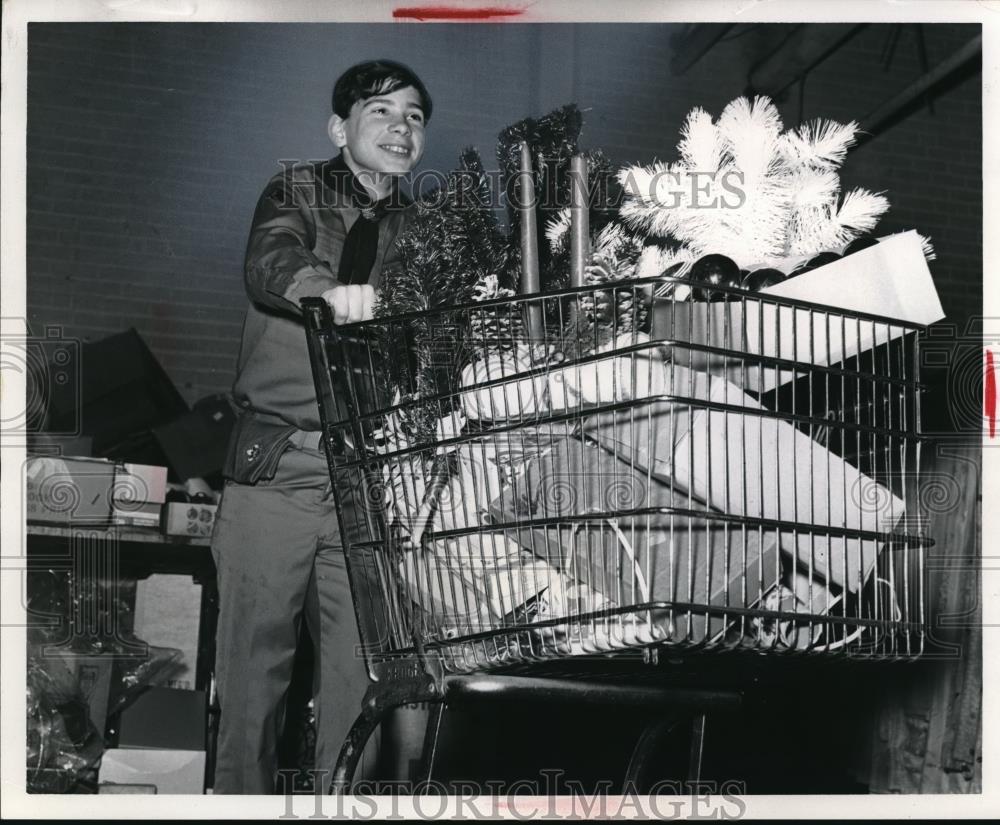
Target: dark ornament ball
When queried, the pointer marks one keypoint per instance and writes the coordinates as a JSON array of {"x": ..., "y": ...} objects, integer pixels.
[
  {"x": 762, "y": 278},
  {"x": 728, "y": 283},
  {"x": 714, "y": 269},
  {"x": 859, "y": 243},
  {"x": 822, "y": 259},
  {"x": 717, "y": 270}
]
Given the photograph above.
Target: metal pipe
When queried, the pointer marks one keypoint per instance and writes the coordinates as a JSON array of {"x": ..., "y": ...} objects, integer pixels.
[
  {"x": 695, "y": 44},
  {"x": 806, "y": 48},
  {"x": 888, "y": 112}
]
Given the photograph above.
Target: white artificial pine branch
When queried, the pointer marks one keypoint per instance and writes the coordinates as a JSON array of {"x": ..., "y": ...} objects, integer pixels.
[
  {"x": 819, "y": 143},
  {"x": 653, "y": 193},
  {"x": 861, "y": 209},
  {"x": 557, "y": 228},
  {"x": 756, "y": 228},
  {"x": 812, "y": 188},
  {"x": 788, "y": 188},
  {"x": 829, "y": 227},
  {"x": 612, "y": 240},
  {"x": 927, "y": 248},
  {"x": 751, "y": 132},
  {"x": 638, "y": 182},
  {"x": 819, "y": 230},
  {"x": 654, "y": 259},
  {"x": 701, "y": 146}
]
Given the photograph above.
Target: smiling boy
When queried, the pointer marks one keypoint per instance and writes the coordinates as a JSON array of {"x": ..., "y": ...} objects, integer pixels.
[{"x": 320, "y": 229}]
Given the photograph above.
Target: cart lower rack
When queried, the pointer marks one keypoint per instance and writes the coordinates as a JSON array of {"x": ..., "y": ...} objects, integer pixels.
[{"x": 647, "y": 475}]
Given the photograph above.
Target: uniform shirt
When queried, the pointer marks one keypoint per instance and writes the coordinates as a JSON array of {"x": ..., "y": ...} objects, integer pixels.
[{"x": 296, "y": 239}]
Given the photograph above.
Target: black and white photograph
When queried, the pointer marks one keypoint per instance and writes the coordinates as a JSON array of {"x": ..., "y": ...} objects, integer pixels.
[{"x": 494, "y": 410}]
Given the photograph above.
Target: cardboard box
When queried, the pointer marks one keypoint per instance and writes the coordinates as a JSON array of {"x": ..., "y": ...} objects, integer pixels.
[
  {"x": 643, "y": 556},
  {"x": 167, "y": 614},
  {"x": 139, "y": 493},
  {"x": 477, "y": 583},
  {"x": 195, "y": 443},
  {"x": 178, "y": 518},
  {"x": 747, "y": 462},
  {"x": 168, "y": 771},
  {"x": 136, "y": 515},
  {"x": 890, "y": 279},
  {"x": 140, "y": 483},
  {"x": 164, "y": 718},
  {"x": 63, "y": 490},
  {"x": 124, "y": 392}
]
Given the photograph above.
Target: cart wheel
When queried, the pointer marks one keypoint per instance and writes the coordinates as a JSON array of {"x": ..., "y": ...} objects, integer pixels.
[
  {"x": 667, "y": 737},
  {"x": 360, "y": 733},
  {"x": 350, "y": 753}
]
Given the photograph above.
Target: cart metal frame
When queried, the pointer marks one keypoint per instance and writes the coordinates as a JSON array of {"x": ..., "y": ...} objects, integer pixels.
[{"x": 868, "y": 407}]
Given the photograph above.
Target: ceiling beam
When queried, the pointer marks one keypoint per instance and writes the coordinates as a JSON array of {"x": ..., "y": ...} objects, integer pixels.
[
  {"x": 695, "y": 43},
  {"x": 804, "y": 49},
  {"x": 897, "y": 107}
]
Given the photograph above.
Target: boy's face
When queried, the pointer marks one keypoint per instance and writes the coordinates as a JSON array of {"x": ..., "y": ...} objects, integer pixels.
[{"x": 383, "y": 134}]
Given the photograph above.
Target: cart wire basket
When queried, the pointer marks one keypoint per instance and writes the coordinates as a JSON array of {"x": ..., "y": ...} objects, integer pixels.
[{"x": 607, "y": 472}]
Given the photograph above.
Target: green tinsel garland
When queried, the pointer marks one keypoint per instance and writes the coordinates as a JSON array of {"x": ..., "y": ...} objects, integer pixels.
[
  {"x": 452, "y": 243},
  {"x": 552, "y": 140}
]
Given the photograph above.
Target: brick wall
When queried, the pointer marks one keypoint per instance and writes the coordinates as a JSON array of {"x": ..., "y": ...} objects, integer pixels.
[{"x": 148, "y": 145}]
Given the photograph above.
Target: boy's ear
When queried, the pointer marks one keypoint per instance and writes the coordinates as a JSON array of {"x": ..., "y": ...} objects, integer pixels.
[{"x": 335, "y": 128}]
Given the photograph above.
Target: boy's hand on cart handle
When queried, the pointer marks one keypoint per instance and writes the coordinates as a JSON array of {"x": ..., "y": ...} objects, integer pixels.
[{"x": 350, "y": 303}]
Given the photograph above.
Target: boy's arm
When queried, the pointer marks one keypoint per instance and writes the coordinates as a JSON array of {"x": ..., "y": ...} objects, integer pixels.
[{"x": 280, "y": 267}]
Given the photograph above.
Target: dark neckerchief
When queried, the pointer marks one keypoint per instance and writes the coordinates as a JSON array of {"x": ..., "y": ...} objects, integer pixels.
[{"x": 361, "y": 244}]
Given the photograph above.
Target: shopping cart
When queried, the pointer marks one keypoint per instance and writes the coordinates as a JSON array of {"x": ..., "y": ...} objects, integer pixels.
[{"x": 542, "y": 495}]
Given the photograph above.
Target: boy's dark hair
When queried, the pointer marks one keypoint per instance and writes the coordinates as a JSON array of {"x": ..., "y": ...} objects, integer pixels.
[{"x": 376, "y": 77}]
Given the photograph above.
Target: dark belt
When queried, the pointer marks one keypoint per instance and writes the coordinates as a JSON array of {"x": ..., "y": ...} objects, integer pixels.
[{"x": 313, "y": 440}]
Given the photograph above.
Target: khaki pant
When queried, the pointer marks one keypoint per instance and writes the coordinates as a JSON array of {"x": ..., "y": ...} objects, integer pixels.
[{"x": 279, "y": 559}]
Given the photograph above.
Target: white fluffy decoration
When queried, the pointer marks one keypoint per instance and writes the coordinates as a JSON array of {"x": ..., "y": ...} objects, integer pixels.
[
  {"x": 557, "y": 228},
  {"x": 829, "y": 227},
  {"x": 744, "y": 188},
  {"x": 820, "y": 144},
  {"x": 654, "y": 260}
]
